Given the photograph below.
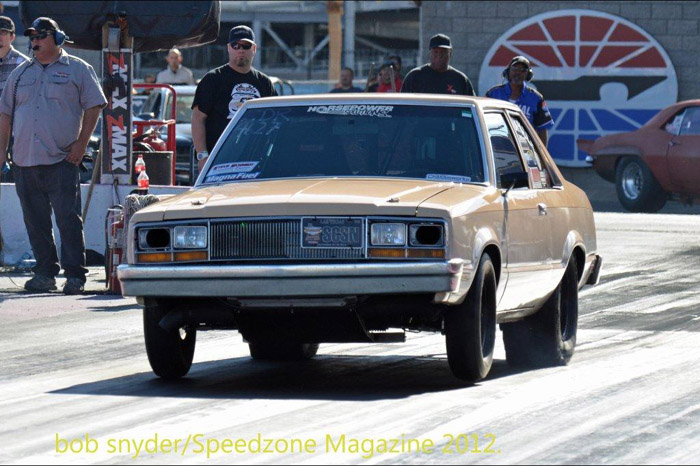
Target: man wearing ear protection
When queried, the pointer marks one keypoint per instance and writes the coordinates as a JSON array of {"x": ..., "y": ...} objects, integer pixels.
[
  {"x": 528, "y": 99},
  {"x": 51, "y": 105}
]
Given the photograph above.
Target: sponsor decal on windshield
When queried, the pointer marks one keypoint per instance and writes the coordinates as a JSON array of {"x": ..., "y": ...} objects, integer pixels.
[
  {"x": 231, "y": 177},
  {"x": 452, "y": 178},
  {"x": 235, "y": 167},
  {"x": 382, "y": 111}
]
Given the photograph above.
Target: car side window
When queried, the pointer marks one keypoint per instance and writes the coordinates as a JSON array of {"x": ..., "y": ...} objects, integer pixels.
[
  {"x": 539, "y": 175},
  {"x": 691, "y": 121},
  {"x": 505, "y": 155},
  {"x": 673, "y": 125}
]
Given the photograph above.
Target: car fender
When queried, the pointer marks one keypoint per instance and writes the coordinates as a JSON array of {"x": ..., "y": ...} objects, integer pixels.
[
  {"x": 606, "y": 159},
  {"x": 573, "y": 240},
  {"x": 485, "y": 238}
]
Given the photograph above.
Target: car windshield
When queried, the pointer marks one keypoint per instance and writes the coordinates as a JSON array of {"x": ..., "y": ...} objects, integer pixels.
[
  {"x": 404, "y": 141},
  {"x": 183, "y": 108}
]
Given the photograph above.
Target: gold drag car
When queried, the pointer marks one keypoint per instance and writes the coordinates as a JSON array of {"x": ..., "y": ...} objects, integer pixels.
[{"x": 355, "y": 218}]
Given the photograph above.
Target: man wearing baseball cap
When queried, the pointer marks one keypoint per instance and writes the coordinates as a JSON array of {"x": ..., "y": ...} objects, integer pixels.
[
  {"x": 223, "y": 90},
  {"x": 9, "y": 56},
  {"x": 51, "y": 105},
  {"x": 438, "y": 77},
  {"x": 516, "y": 90}
]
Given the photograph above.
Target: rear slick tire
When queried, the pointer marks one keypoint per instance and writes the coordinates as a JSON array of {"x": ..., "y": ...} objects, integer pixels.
[
  {"x": 470, "y": 328},
  {"x": 548, "y": 337},
  {"x": 169, "y": 353}
]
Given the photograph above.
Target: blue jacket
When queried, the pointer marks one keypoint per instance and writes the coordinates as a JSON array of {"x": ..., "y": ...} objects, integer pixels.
[{"x": 530, "y": 102}]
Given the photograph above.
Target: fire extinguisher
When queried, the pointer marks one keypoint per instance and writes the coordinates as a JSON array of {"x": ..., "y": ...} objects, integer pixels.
[
  {"x": 152, "y": 138},
  {"x": 115, "y": 245}
]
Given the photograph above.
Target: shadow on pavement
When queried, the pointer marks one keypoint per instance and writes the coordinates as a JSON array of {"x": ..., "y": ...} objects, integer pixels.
[{"x": 332, "y": 377}]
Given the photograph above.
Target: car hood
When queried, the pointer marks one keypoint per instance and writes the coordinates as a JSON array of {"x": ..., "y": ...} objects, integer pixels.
[{"x": 336, "y": 196}]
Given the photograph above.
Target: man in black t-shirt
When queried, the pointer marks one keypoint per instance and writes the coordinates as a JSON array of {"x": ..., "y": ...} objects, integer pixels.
[
  {"x": 438, "y": 77},
  {"x": 223, "y": 90}
]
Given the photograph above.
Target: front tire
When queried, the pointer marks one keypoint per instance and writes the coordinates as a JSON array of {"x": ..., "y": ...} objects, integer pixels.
[
  {"x": 169, "y": 353},
  {"x": 470, "y": 328},
  {"x": 637, "y": 189},
  {"x": 548, "y": 337}
]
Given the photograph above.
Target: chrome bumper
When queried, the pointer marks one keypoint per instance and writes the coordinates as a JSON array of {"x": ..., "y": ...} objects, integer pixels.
[{"x": 290, "y": 280}]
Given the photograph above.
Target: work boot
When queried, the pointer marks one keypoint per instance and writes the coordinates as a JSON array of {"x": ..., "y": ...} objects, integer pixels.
[
  {"x": 74, "y": 286},
  {"x": 40, "y": 283}
]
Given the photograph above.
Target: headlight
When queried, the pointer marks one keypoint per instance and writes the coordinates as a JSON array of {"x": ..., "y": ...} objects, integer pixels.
[
  {"x": 388, "y": 234},
  {"x": 190, "y": 237},
  {"x": 154, "y": 238},
  {"x": 426, "y": 235}
]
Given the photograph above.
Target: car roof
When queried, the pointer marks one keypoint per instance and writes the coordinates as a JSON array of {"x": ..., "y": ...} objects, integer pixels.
[
  {"x": 664, "y": 114},
  {"x": 380, "y": 98},
  {"x": 180, "y": 89}
]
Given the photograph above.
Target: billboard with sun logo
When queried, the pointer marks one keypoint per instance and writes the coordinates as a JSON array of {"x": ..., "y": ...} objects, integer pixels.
[{"x": 599, "y": 74}]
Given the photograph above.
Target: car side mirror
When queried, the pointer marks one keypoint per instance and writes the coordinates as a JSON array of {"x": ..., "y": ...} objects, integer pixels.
[{"x": 515, "y": 180}]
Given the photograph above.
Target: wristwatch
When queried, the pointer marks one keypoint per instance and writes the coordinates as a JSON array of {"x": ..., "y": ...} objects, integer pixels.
[{"x": 202, "y": 155}]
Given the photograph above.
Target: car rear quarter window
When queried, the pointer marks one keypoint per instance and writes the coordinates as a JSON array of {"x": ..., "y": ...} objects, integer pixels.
[
  {"x": 505, "y": 154},
  {"x": 691, "y": 121},
  {"x": 539, "y": 175},
  {"x": 673, "y": 125}
]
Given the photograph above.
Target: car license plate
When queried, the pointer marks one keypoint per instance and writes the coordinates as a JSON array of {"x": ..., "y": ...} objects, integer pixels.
[{"x": 331, "y": 232}]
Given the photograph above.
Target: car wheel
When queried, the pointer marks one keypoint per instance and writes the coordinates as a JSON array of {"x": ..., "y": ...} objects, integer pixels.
[
  {"x": 170, "y": 353},
  {"x": 548, "y": 337},
  {"x": 281, "y": 350},
  {"x": 637, "y": 189},
  {"x": 470, "y": 328}
]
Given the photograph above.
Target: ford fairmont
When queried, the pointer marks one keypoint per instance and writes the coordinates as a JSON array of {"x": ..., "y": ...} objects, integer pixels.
[{"x": 358, "y": 218}]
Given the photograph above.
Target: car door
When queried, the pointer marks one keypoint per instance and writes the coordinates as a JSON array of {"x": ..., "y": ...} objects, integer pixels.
[
  {"x": 551, "y": 208},
  {"x": 525, "y": 246},
  {"x": 683, "y": 154}
]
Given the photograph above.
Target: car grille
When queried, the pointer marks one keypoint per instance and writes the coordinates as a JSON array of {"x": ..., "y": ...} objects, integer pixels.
[{"x": 268, "y": 239}]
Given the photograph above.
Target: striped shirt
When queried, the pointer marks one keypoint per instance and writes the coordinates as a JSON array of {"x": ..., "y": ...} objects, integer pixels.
[{"x": 8, "y": 64}]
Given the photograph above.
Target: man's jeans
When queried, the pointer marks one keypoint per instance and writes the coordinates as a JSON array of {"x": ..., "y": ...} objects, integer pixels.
[{"x": 40, "y": 189}]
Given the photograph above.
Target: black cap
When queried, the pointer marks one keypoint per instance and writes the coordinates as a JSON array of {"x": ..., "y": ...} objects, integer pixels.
[
  {"x": 241, "y": 33},
  {"x": 519, "y": 60},
  {"x": 42, "y": 24},
  {"x": 440, "y": 40},
  {"x": 7, "y": 24}
]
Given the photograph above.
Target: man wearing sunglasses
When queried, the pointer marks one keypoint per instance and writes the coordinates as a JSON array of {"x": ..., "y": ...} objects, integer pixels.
[
  {"x": 52, "y": 104},
  {"x": 223, "y": 90}
]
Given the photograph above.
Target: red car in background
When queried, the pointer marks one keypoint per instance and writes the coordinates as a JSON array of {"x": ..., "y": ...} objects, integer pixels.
[{"x": 657, "y": 162}]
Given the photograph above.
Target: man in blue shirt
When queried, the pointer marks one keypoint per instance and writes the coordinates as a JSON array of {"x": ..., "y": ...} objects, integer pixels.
[
  {"x": 528, "y": 99},
  {"x": 345, "y": 84}
]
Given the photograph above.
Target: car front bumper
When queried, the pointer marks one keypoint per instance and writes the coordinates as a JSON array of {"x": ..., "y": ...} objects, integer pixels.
[{"x": 290, "y": 280}]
